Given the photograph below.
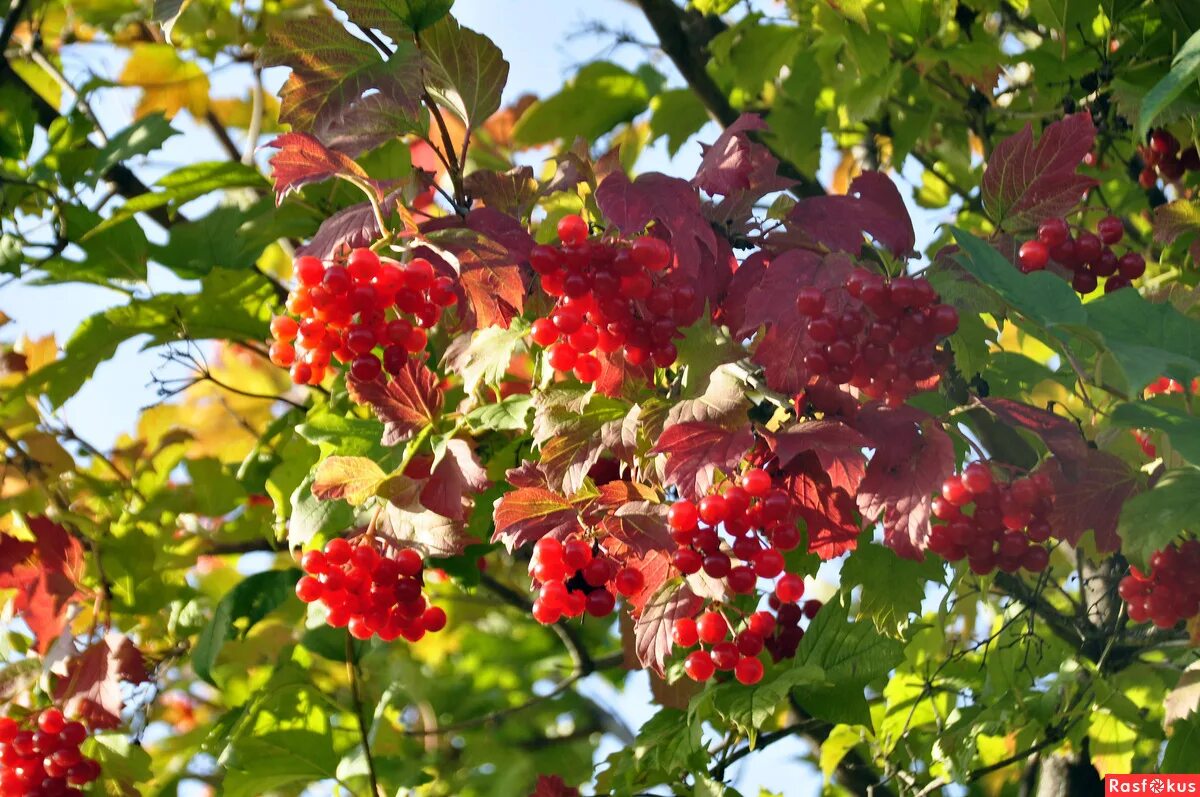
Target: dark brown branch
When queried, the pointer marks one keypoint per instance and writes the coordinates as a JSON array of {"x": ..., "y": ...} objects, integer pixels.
[
  {"x": 11, "y": 20},
  {"x": 684, "y": 37}
]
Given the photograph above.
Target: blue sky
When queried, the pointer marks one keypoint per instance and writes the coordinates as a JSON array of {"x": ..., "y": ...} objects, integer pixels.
[{"x": 544, "y": 42}]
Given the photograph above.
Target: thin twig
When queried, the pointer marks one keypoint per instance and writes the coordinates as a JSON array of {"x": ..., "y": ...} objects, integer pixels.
[{"x": 364, "y": 735}]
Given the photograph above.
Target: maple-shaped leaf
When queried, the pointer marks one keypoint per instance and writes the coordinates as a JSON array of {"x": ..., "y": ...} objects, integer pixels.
[
  {"x": 91, "y": 687},
  {"x": 527, "y": 514},
  {"x": 457, "y": 477},
  {"x": 1061, "y": 435},
  {"x": 333, "y": 71},
  {"x": 405, "y": 402},
  {"x": 838, "y": 448},
  {"x": 616, "y": 373},
  {"x": 700, "y": 260},
  {"x": 352, "y": 479},
  {"x": 913, "y": 456},
  {"x": 567, "y": 428},
  {"x": 302, "y": 160},
  {"x": 44, "y": 573},
  {"x": 872, "y": 207},
  {"x": 652, "y": 630},
  {"x": 830, "y": 520},
  {"x": 641, "y": 526},
  {"x": 1092, "y": 498},
  {"x": 738, "y": 169},
  {"x": 695, "y": 450},
  {"x": 396, "y": 18},
  {"x": 656, "y": 570},
  {"x": 430, "y": 533},
  {"x": 723, "y": 401},
  {"x": 1026, "y": 183},
  {"x": 513, "y": 192},
  {"x": 464, "y": 71}
]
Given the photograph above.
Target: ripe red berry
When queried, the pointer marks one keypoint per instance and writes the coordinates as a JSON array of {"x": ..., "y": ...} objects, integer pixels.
[
  {"x": 725, "y": 655},
  {"x": 682, "y": 515},
  {"x": 543, "y": 332},
  {"x": 629, "y": 581},
  {"x": 1110, "y": 229},
  {"x": 768, "y": 563},
  {"x": 651, "y": 253},
  {"x": 713, "y": 509},
  {"x": 687, "y": 561},
  {"x": 810, "y": 302},
  {"x": 699, "y": 665},
  {"x": 1163, "y": 143},
  {"x": 748, "y": 671},
  {"x": 309, "y": 589},
  {"x": 1053, "y": 232},
  {"x": 600, "y": 603},
  {"x": 561, "y": 357},
  {"x": 309, "y": 271},
  {"x": 684, "y": 633},
  {"x": 711, "y": 627},
  {"x": 572, "y": 230},
  {"x": 1131, "y": 265},
  {"x": 587, "y": 368},
  {"x": 790, "y": 588},
  {"x": 756, "y": 482},
  {"x": 976, "y": 478},
  {"x": 1034, "y": 255}
]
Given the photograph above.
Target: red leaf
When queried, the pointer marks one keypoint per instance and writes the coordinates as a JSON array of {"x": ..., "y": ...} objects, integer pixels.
[
  {"x": 349, "y": 228},
  {"x": 91, "y": 687},
  {"x": 1092, "y": 499},
  {"x": 527, "y": 514},
  {"x": 641, "y": 526},
  {"x": 405, "y": 403},
  {"x": 873, "y": 207},
  {"x": 489, "y": 251},
  {"x": 456, "y": 477},
  {"x": 44, "y": 574},
  {"x": 553, "y": 786},
  {"x": 694, "y": 450},
  {"x": 738, "y": 169},
  {"x": 829, "y": 516},
  {"x": 302, "y": 159},
  {"x": 1061, "y": 435},
  {"x": 838, "y": 448},
  {"x": 652, "y": 631},
  {"x": 616, "y": 372},
  {"x": 1024, "y": 183},
  {"x": 913, "y": 456},
  {"x": 700, "y": 260},
  {"x": 656, "y": 570}
]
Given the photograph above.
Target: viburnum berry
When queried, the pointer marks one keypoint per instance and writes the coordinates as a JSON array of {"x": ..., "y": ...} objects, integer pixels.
[
  {"x": 1034, "y": 256},
  {"x": 629, "y": 581},
  {"x": 43, "y": 757},
  {"x": 1170, "y": 591},
  {"x": 748, "y": 671},
  {"x": 699, "y": 665},
  {"x": 712, "y": 627},
  {"x": 790, "y": 588},
  {"x": 1088, "y": 256}
]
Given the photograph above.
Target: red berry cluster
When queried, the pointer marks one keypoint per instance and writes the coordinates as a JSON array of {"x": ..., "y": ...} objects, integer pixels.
[
  {"x": 1088, "y": 255},
  {"x": 611, "y": 295},
  {"x": 44, "y": 760},
  {"x": 1163, "y": 158},
  {"x": 573, "y": 577},
  {"x": 351, "y": 308},
  {"x": 1007, "y": 525},
  {"x": 760, "y": 520},
  {"x": 368, "y": 592},
  {"x": 1171, "y": 592},
  {"x": 876, "y": 335}
]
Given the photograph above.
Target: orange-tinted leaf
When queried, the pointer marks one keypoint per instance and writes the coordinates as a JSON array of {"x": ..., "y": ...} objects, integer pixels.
[
  {"x": 91, "y": 688},
  {"x": 302, "y": 159},
  {"x": 695, "y": 450},
  {"x": 44, "y": 574},
  {"x": 405, "y": 403},
  {"x": 527, "y": 514}
]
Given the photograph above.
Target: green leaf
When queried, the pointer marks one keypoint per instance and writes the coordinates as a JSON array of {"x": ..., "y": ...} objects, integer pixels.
[
  {"x": 1042, "y": 298},
  {"x": 312, "y": 516},
  {"x": 748, "y": 708},
  {"x": 1183, "y": 748},
  {"x": 185, "y": 184},
  {"x": 140, "y": 138},
  {"x": 484, "y": 357},
  {"x": 414, "y": 15},
  {"x": 840, "y": 741},
  {"x": 119, "y": 757},
  {"x": 713, "y": 6},
  {"x": 602, "y": 96},
  {"x": 215, "y": 490},
  {"x": 507, "y": 415},
  {"x": 667, "y": 742},
  {"x": 17, "y": 120},
  {"x": 269, "y": 762},
  {"x": 892, "y": 587},
  {"x": 117, "y": 252},
  {"x": 1185, "y": 69},
  {"x": 229, "y": 306},
  {"x": 351, "y": 437},
  {"x": 466, "y": 71},
  {"x": 1147, "y": 339},
  {"x": 851, "y": 655},
  {"x": 1183, "y": 429},
  {"x": 230, "y": 237},
  {"x": 677, "y": 114},
  {"x": 1152, "y": 519},
  {"x": 251, "y": 600}
]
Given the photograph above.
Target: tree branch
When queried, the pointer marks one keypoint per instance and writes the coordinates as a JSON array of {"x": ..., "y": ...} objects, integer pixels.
[{"x": 684, "y": 37}]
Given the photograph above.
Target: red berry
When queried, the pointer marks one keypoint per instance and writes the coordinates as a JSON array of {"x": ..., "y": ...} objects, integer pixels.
[
  {"x": 741, "y": 580},
  {"x": 756, "y": 482},
  {"x": 366, "y": 368},
  {"x": 561, "y": 357},
  {"x": 725, "y": 655},
  {"x": 748, "y": 671},
  {"x": 699, "y": 665},
  {"x": 1084, "y": 282},
  {"x": 1163, "y": 143},
  {"x": 1053, "y": 232},
  {"x": 651, "y": 253},
  {"x": 600, "y": 603},
  {"x": 683, "y": 515},
  {"x": 683, "y": 632},
  {"x": 629, "y": 581},
  {"x": 687, "y": 561},
  {"x": 572, "y": 230},
  {"x": 1131, "y": 265},
  {"x": 810, "y": 302},
  {"x": 711, "y": 627},
  {"x": 587, "y": 368},
  {"x": 543, "y": 332},
  {"x": 790, "y": 588},
  {"x": 309, "y": 589},
  {"x": 545, "y": 614},
  {"x": 363, "y": 264},
  {"x": 713, "y": 509},
  {"x": 761, "y": 624},
  {"x": 51, "y": 721},
  {"x": 768, "y": 563},
  {"x": 1088, "y": 247},
  {"x": 1110, "y": 229},
  {"x": 309, "y": 271},
  {"x": 977, "y": 478},
  {"x": 1034, "y": 255}
]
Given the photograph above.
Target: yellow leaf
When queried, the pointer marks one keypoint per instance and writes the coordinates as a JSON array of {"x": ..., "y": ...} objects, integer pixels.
[
  {"x": 237, "y": 112},
  {"x": 169, "y": 84},
  {"x": 847, "y": 169},
  {"x": 353, "y": 479},
  {"x": 38, "y": 353}
]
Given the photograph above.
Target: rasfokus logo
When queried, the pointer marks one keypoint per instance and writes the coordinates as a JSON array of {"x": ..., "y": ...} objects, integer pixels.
[{"x": 1152, "y": 784}]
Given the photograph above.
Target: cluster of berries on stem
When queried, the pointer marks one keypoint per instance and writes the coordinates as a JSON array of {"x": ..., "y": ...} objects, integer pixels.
[
  {"x": 573, "y": 577},
  {"x": 1088, "y": 255},
  {"x": 370, "y": 590},
  {"x": 758, "y": 522},
  {"x": 1163, "y": 158},
  {"x": 876, "y": 335},
  {"x": 610, "y": 295},
  {"x": 368, "y": 314},
  {"x": 1170, "y": 592},
  {"x": 41, "y": 758},
  {"x": 993, "y": 524}
]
